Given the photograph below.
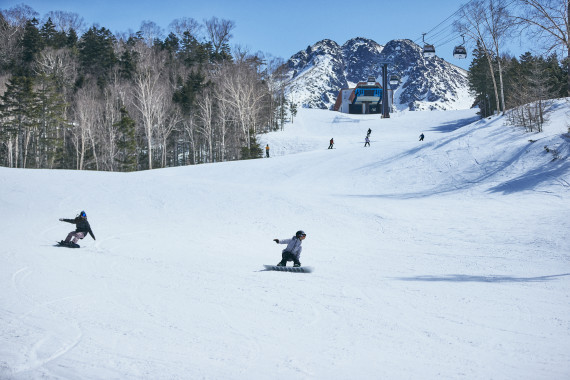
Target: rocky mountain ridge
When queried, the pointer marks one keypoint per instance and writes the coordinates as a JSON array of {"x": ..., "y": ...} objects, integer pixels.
[{"x": 314, "y": 76}]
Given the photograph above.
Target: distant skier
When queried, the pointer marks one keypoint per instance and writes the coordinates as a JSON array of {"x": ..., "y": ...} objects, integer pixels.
[
  {"x": 422, "y": 137},
  {"x": 366, "y": 141},
  {"x": 369, "y": 132},
  {"x": 331, "y": 143},
  {"x": 293, "y": 250},
  {"x": 82, "y": 227},
  {"x": 267, "y": 150}
]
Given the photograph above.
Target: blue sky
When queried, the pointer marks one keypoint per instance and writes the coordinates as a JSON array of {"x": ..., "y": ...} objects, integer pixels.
[{"x": 279, "y": 29}]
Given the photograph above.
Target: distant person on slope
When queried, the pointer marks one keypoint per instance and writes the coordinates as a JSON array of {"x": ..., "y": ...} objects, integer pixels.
[
  {"x": 331, "y": 143},
  {"x": 267, "y": 150},
  {"x": 422, "y": 137},
  {"x": 366, "y": 141},
  {"x": 293, "y": 250},
  {"x": 82, "y": 227}
]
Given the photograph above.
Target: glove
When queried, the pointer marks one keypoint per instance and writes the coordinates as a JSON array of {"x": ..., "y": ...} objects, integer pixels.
[
  {"x": 276, "y": 240},
  {"x": 61, "y": 219}
]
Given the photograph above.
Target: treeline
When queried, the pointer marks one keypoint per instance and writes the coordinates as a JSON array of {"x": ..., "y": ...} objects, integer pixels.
[
  {"x": 129, "y": 102},
  {"x": 526, "y": 80},
  {"x": 520, "y": 88}
]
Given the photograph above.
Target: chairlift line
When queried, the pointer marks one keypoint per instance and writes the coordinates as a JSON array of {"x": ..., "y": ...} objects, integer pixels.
[{"x": 459, "y": 51}]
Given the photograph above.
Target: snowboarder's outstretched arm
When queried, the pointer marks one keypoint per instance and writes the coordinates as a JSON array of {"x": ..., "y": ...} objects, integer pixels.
[{"x": 67, "y": 220}]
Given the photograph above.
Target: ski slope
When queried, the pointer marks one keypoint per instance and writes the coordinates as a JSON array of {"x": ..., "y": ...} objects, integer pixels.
[{"x": 442, "y": 259}]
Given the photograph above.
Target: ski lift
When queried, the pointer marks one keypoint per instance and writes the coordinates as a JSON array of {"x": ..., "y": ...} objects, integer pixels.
[
  {"x": 394, "y": 80},
  {"x": 428, "y": 50},
  {"x": 459, "y": 52}
]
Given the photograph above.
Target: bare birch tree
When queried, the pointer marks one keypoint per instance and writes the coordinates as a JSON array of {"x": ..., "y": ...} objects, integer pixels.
[
  {"x": 149, "y": 90},
  {"x": 205, "y": 117},
  {"x": 548, "y": 22},
  {"x": 150, "y": 32},
  {"x": 85, "y": 121},
  {"x": 65, "y": 21},
  {"x": 476, "y": 18},
  {"x": 219, "y": 32},
  {"x": 185, "y": 24}
]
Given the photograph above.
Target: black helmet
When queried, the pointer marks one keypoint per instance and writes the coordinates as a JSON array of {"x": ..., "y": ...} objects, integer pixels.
[
  {"x": 300, "y": 233},
  {"x": 83, "y": 214}
]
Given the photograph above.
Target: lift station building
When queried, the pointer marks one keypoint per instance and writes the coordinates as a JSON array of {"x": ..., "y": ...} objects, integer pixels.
[{"x": 365, "y": 98}]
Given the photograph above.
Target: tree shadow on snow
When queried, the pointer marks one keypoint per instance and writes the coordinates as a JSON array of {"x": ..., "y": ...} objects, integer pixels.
[
  {"x": 532, "y": 179},
  {"x": 455, "y": 125},
  {"x": 470, "y": 278}
]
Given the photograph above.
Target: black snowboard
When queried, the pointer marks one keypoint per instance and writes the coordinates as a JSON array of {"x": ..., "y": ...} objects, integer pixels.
[{"x": 68, "y": 245}]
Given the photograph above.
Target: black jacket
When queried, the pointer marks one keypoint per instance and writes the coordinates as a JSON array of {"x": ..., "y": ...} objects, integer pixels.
[{"x": 81, "y": 225}]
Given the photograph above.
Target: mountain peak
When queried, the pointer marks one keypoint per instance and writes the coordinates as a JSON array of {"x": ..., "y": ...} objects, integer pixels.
[{"x": 317, "y": 74}]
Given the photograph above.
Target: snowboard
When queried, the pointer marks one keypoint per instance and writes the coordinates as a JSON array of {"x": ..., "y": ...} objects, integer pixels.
[
  {"x": 289, "y": 269},
  {"x": 68, "y": 245}
]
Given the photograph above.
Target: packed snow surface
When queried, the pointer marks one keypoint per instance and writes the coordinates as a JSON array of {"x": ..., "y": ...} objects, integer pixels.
[{"x": 442, "y": 259}]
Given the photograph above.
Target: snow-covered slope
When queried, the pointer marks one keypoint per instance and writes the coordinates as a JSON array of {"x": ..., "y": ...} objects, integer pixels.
[
  {"x": 315, "y": 76},
  {"x": 444, "y": 259}
]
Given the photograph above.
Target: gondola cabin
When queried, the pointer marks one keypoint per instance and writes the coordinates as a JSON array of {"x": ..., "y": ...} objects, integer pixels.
[
  {"x": 394, "y": 80},
  {"x": 459, "y": 52},
  {"x": 429, "y": 51}
]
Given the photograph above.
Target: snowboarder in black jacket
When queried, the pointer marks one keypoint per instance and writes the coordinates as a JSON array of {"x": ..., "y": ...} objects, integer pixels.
[{"x": 82, "y": 227}]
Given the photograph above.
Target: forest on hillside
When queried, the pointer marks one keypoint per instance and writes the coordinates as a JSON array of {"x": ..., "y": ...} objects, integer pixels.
[
  {"x": 77, "y": 97},
  {"x": 130, "y": 102}
]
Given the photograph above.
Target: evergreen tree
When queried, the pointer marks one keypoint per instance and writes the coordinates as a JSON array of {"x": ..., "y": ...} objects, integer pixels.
[
  {"x": 127, "y": 64},
  {"x": 18, "y": 114},
  {"x": 126, "y": 143},
  {"x": 556, "y": 77},
  {"x": 293, "y": 109},
  {"x": 51, "y": 121},
  {"x": 185, "y": 97},
  {"x": 71, "y": 40},
  {"x": 480, "y": 82},
  {"x": 254, "y": 150},
  {"x": 193, "y": 52},
  {"x": 96, "y": 53},
  {"x": 171, "y": 44},
  {"x": 31, "y": 44},
  {"x": 48, "y": 32}
]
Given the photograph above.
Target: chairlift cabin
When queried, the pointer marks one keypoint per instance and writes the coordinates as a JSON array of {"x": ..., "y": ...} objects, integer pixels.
[{"x": 459, "y": 52}]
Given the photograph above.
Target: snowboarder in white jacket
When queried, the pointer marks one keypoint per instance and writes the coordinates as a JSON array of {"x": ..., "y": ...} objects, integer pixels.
[{"x": 293, "y": 250}]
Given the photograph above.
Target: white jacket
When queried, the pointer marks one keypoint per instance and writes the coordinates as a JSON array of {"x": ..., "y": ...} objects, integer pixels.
[{"x": 293, "y": 246}]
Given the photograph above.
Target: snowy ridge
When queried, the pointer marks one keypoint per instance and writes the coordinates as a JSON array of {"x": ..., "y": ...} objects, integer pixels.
[
  {"x": 442, "y": 259},
  {"x": 315, "y": 75}
]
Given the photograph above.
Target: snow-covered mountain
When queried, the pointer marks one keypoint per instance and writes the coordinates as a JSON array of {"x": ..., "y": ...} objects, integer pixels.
[{"x": 315, "y": 75}]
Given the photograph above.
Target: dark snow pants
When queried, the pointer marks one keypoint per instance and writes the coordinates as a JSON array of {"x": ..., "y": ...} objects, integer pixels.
[{"x": 288, "y": 256}]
